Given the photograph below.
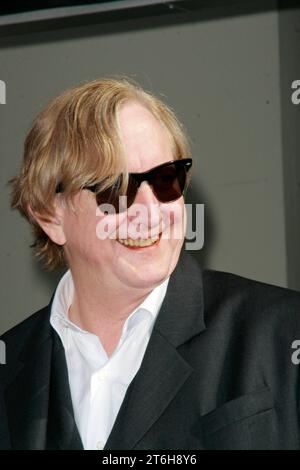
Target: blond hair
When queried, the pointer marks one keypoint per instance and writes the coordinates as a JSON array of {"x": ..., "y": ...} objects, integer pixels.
[{"x": 75, "y": 141}]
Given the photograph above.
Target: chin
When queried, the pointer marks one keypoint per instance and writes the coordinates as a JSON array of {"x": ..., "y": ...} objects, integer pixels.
[{"x": 152, "y": 277}]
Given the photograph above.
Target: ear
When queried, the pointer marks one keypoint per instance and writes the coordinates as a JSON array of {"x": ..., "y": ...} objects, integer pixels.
[{"x": 51, "y": 224}]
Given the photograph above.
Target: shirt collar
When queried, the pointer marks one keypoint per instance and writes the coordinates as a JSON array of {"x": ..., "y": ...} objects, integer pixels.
[{"x": 64, "y": 295}]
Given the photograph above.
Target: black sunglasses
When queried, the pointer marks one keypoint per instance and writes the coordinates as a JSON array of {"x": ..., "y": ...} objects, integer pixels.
[{"x": 168, "y": 182}]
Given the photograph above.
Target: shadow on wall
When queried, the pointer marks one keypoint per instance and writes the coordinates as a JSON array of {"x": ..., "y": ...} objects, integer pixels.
[
  {"x": 194, "y": 196},
  {"x": 48, "y": 280}
]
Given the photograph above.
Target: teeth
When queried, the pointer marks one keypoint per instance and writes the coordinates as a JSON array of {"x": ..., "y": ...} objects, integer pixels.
[{"x": 140, "y": 242}]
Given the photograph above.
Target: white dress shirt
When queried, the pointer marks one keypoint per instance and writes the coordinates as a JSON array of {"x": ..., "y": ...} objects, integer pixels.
[{"x": 98, "y": 383}]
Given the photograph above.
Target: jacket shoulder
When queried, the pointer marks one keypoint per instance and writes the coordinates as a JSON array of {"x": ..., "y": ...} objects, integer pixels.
[
  {"x": 15, "y": 338},
  {"x": 226, "y": 281},
  {"x": 250, "y": 300}
]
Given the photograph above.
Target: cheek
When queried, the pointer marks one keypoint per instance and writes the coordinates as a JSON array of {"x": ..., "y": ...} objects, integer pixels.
[
  {"x": 107, "y": 225},
  {"x": 80, "y": 232},
  {"x": 174, "y": 218}
]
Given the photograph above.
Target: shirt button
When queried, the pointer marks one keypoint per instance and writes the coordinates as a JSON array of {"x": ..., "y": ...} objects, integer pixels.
[{"x": 100, "y": 445}]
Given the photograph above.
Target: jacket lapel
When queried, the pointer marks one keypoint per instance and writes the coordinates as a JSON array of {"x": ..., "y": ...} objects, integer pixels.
[
  {"x": 163, "y": 370},
  {"x": 38, "y": 400},
  {"x": 62, "y": 430},
  {"x": 27, "y": 394}
]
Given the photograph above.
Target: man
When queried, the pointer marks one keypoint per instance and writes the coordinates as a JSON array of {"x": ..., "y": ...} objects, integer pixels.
[{"x": 139, "y": 348}]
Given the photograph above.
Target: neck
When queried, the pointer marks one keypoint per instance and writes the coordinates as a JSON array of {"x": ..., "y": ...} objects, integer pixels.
[{"x": 102, "y": 310}]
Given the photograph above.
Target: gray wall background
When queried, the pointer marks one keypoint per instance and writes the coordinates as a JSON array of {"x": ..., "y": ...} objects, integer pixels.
[{"x": 228, "y": 79}]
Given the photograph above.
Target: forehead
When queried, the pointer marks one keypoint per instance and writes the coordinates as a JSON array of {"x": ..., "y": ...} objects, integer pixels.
[{"x": 147, "y": 141}]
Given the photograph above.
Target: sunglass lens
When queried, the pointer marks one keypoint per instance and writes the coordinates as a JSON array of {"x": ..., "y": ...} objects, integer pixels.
[
  {"x": 169, "y": 182},
  {"x": 111, "y": 197}
]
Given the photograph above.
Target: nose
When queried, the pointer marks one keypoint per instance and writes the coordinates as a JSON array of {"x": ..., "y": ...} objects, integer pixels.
[
  {"x": 145, "y": 211},
  {"x": 145, "y": 195}
]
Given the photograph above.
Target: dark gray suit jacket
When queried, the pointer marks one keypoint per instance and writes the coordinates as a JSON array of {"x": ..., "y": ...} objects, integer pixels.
[{"x": 217, "y": 373}]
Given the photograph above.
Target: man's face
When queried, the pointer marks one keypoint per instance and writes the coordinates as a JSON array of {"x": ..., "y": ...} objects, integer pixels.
[{"x": 117, "y": 264}]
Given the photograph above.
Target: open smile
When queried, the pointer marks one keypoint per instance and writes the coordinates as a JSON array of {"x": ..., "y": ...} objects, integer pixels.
[{"x": 139, "y": 242}]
